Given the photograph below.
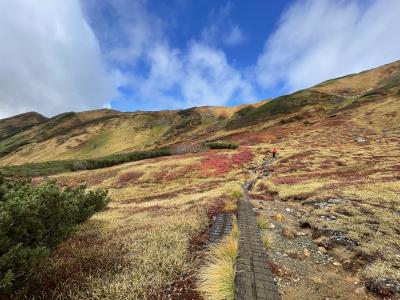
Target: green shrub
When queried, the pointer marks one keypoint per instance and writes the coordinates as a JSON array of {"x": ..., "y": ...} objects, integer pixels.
[
  {"x": 221, "y": 145},
  {"x": 59, "y": 166},
  {"x": 237, "y": 194},
  {"x": 34, "y": 219}
]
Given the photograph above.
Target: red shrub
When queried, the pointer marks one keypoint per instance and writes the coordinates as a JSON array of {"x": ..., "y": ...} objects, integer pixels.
[
  {"x": 216, "y": 164},
  {"x": 242, "y": 157}
]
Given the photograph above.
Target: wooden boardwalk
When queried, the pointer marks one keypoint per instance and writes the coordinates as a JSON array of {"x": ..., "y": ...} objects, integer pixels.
[{"x": 254, "y": 279}]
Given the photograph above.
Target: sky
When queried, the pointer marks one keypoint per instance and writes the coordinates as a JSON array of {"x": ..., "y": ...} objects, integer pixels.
[{"x": 129, "y": 55}]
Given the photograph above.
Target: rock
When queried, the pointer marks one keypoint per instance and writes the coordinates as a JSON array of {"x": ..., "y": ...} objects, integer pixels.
[
  {"x": 360, "y": 139},
  {"x": 336, "y": 263},
  {"x": 271, "y": 226},
  {"x": 360, "y": 290},
  {"x": 278, "y": 217},
  {"x": 288, "y": 210},
  {"x": 288, "y": 232},
  {"x": 301, "y": 233},
  {"x": 328, "y": 217},
  {"x": 306, "y": 252},
  {"x": 322, "y": 249}
]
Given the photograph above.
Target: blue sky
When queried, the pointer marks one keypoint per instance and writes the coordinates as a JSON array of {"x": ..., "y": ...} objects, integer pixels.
[
  {"x": 237, "y": 29},
  {"x": 148, "y": 55}
]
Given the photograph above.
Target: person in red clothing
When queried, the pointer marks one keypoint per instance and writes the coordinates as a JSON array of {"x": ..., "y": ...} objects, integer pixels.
[{"x": 274, "y": 151}]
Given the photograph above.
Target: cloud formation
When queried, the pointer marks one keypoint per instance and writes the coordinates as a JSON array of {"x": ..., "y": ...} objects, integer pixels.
[
  {"x": 221, "y": 30},
  {"x": 82, "y": 54},
  {"x": 50, "y": 59},
  {"x": 160, "y": 75},
  {"x": 322, "y": 39}
]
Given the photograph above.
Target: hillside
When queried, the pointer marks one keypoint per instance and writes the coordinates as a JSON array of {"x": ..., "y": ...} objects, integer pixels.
[
  {"x": 10, "y": 126},
  {"x": 328, "y": 207}
]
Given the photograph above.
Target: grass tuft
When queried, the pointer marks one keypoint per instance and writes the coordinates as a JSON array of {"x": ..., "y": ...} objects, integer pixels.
[
  {"x": 267, "y": 240},
  {"x": 217, "y": 277},
  {"x": 262, "y": 222}
]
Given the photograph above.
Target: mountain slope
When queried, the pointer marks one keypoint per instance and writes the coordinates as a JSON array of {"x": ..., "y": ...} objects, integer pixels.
[
  {"x": 12, "y": 125},
  {"x": 32, "y": 138}
]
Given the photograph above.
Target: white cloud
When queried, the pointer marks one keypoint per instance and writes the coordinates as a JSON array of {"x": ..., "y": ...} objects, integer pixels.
[
  {"x": 200, "y": 75},
  {"x": 221, "y": 30},
  {"x": 50, "y": 59},
  {"x": 318, "y": 40},
  {"x": 234, "y": 37},
  {"x": 160, "y": 75}
]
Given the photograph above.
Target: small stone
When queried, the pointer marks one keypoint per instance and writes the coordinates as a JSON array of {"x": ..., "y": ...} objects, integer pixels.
[
  {"x": 360, "y": 290},
  {"x": 306, "y": 252},
  {"x": 301, "y": 233},
  {"x": 272, "y": 226},
  {"x": 288, "y": 210},
  {"x": 336, "y": 263},
  {"x": 360, "y": 139},
  {"x": 288, "y": 232},
  {"x": 322, "y": 249}
]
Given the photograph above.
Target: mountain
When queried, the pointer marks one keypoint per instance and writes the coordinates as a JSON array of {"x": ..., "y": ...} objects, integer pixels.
[
  {"x": 12, "y": 125},
  {"x": 31, "y": 137}
]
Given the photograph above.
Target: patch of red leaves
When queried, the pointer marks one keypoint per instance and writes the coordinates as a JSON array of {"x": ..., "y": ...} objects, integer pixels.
[
  {"x": 242, "y": 157},
  {"x": 170, "y": 175},
  {"x": 218, "y": 164}
]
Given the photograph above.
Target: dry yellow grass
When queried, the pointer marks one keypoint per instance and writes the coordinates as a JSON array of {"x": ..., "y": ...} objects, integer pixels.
[
  {"x": 140, "y": 244},
  {"x": 217, "y": 277}
]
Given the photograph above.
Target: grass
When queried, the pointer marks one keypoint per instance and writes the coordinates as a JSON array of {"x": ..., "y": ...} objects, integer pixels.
[
  {"x": 217, "y": 278},
  {"x": 262, "y": 222},
  {"x": 267, "y": 240},
  {"x": 142, "y": 243},
  {"x": 325, "y": 162},
  {"x": 237, "y": 194}
]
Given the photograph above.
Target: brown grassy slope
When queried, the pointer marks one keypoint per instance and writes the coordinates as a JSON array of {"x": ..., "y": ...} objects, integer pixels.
[
  {"x": 359, "y": 83},
  {"x": 141, "y": 244},
  {"x": 99, "y": 133},
  {"x": 354, "y": 158},
  {"x": 12, "y": 125}
]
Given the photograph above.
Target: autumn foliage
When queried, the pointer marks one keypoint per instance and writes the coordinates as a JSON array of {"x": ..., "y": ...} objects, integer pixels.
[{"x": 218, "y": 164}]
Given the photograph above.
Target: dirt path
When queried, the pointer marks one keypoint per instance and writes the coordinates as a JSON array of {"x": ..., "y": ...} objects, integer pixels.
[{"x": 301, "y": 268}]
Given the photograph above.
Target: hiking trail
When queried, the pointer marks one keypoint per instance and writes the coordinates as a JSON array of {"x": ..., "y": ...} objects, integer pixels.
[{"x": 254, "y": 279}]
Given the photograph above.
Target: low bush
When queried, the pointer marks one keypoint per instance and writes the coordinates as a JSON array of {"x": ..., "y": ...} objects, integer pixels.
[
  {"x": 59, "y": 166},
  {"x": 221, "y": 145},
  {"x": 34, "y": 219}
]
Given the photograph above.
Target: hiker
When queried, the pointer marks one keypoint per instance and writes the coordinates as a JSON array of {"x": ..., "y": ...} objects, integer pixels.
[{"x": 274, "y": 151}]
